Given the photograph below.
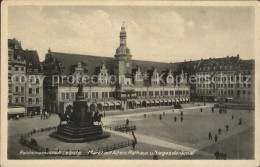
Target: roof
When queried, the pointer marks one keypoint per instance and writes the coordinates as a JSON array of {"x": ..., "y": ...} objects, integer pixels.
[
  {"x": 68, "y": 60},
  {"x": 13, "y": 42},
  {"x": 31, "y": 56}
]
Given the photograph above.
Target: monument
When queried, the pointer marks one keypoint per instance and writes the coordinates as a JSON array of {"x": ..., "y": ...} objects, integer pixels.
[{"x": 81, "y": 126}]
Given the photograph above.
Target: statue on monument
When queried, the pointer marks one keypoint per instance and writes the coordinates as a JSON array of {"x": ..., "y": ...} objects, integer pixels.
[{"x": 80, "y": 90}]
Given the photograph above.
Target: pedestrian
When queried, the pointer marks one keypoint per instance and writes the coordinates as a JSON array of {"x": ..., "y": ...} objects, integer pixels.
[
  {"x": 181, "y": 118},
  {"x": 127, "y": 122},
  {"x": 227, "y": 127},
  {"x": 240, "y": 121},
  {"x": 181, "y": 113},
  {"x": 200, "y": 109},
  {"x": 232, "y": 116},
  {"x": 104, "y": 113},
  {"x": 155, "y": 157},
  {"x": 160, "y": 117},
  {"x": 133, "y": 145},
  {"x": 144, "y": 115},
  {"x": 210, "y": 136},
  {"x": 212, "y": 109},
  {"x": 17, "y": 116},
  {"x": 175, "y": 118},
  {"x": 172, "y": 110},
  {"x": 216, "y": 138},
  {"x": 219, "y": 131}
]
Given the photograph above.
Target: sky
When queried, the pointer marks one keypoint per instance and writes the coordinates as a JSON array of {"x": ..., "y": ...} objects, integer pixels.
[{"x": 164, "y": 34}]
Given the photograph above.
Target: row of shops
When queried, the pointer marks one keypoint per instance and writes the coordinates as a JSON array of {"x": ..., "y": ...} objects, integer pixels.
[{"x": 133, "y": 104}]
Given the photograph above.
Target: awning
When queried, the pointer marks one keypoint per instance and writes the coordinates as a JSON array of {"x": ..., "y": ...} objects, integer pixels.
[
  {"x": 147, "y": 102},
  {"x": 117, "y": 103},
  {"x": 180, "y": 100},
  {"x": 16, "y": 110},
  {"x": 109, "y": 103},
  {"x": 161, "y": 100},
  {"x": 157, "y": 101},
  {"x": 165, "y": 100},
  {"x": 187, "y": 99},
  {"x": 176, "y": 100},
  {"x": 152, "y": 101},
  {"x": 138, "y": 102}
]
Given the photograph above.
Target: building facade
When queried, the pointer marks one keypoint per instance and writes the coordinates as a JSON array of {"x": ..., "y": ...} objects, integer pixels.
[
  {"x": 118, "y": 83},
  {"x": 23, "y": 92},
  {"x": 229, "y": 80}
]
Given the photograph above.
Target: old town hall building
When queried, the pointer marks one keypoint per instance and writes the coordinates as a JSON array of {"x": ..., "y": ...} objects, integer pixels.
[{"x": 118, "y": 83}]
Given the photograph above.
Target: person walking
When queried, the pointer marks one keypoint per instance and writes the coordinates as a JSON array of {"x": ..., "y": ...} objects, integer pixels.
[
  {"x": 181, "y": 118},
  {"x": 227, "y": 127},
  {"x": 160, "y": 117},
  {"x": 232, "y": 116},
  {"x": 210, "y": 136},
  {"x": 133, "y": 145},
  {"x": 175, "y": 119},
  {"x": 144, "y": 115},
  {"x": 127, "y": 122},
  {"x": 212, "y": 109},
  {"x": 216, "y": 138},
  {"x": 219, "y": 131},
  {"x": 17, "y": 117},
  {"x": 240, "y": 121}
]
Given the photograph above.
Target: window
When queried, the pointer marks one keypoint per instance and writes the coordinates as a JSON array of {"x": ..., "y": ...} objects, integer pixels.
[
  {"x": 67, "y": 96},
  {"x": 37, "y": 90},
  {"x": 9, "y": 68},
  {"x": 22, "y": 89},
  {"x": 86, "y": 94},
  {"x": 16, "y": 89},
  {"x": 150, "y": 93},
  {"x": 16, "y": 68},
  {"x": 37, "y": 81},
  {"x": 30, "y": 100},
  {"x": 72, "y": 96},
  {"x": 22, "y": 99},
  {"x": 37, "y": 100},
  {"x": 93, "y": 94},
  {"x": 17, "y": 100},
  {"x": 105, "y": 94},
  {"x": 35, "y": 70},
  {"x": 30, "y": 90},
  {"x": 22, "y": 68},
  {"x": 96, "y": 94},
  {"x": 244, "y": 92},
  {"x": 63, "y": 96}
]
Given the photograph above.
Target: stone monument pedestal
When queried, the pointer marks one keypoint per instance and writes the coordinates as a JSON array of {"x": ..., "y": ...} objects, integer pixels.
[{"x": 81, "y": 127}]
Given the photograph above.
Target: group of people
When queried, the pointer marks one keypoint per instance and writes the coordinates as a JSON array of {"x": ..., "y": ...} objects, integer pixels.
[
  {"x": 227, "y": 126},
  {"x": 45, "y": 115}
]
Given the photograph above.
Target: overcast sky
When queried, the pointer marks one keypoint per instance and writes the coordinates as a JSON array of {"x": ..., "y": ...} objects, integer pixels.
[{"x": 167, "y": 34}]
